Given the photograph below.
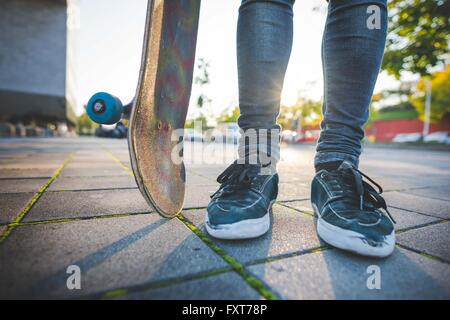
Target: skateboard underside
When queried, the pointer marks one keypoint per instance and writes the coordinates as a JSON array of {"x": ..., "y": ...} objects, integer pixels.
[{"x": 161, "y": 103}]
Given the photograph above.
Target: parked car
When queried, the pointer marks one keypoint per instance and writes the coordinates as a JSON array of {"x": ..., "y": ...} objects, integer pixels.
[
  {"x": 309, "y": 136},
  {"x": 407, "y": 137},
  {"x": 192, "y": 135},
  {"x": 438, "y": 137},
  {"x": 288, "y": 136},
  {"x": 118, "y": 130}
]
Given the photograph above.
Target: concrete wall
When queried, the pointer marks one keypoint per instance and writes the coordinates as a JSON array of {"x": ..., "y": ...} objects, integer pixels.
[{"x": 33, "y": 51}]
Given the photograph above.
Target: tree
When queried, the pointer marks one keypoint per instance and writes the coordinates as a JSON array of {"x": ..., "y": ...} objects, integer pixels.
[
  {"x": 190, "y": 123},
  {"x": 440, "y": 97},
  {"x": 419, "y": 36},
  {"x": 307, "y": 111},
  {"x": 202, "y": 80},
  {"x": 85, "y": 126},
  {"x": 228, "y": 116},
  {"x": 310, "y": 111}
]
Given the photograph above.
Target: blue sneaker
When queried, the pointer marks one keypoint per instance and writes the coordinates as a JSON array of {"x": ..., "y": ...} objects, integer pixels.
[
  {"x": 240, "y": 209},
  {"x": 349, "y": 212}
]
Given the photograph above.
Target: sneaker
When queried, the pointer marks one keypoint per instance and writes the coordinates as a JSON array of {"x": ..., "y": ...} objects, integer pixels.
[
  {"x": 349, "y": 212},
  {"x": 240, "y": 209}
]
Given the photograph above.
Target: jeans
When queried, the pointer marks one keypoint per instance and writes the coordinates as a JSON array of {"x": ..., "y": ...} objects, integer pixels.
[{"x": 351, "y": 58}]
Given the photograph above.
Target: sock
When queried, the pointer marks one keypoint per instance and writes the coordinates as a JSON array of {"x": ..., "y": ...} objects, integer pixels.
[{"x": 329, "y": 166}]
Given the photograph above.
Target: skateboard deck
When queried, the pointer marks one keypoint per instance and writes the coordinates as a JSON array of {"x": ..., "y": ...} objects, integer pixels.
[{"x": 161, "y": 103}]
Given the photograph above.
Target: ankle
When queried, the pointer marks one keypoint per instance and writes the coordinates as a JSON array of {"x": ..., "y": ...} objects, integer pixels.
[{"x": 329, "y": 166}]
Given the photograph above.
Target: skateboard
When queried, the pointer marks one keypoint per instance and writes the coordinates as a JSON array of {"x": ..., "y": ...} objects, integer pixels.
[{"x": 160, "y": 106}]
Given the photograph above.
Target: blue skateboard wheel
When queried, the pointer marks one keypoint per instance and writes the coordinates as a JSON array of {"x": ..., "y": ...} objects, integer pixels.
[{"x": 104, "y": 108}]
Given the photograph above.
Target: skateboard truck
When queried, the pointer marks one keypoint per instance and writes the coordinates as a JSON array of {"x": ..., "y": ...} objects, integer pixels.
[{"x": 104, "y": 108}]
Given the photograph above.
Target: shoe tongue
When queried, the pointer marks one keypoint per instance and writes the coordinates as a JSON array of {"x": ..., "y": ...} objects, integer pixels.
[{"x": 345, "y": 165}]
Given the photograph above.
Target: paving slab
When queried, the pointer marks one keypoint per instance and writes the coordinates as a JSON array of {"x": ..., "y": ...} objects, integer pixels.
[
  {"x": 408, "y": 219},
  {"x": 108, "y": 164},
  {"x": 111, "y": 253},
  {"x": 224, "y": 286},
  {"x": 87, "y": 183},
  {"x": 198, "y": 196},
  {"x": 54, "y": 165},
  {"x": 21, "y": 185},
  {"x": 3, "y": 230},
  {"x": 208, "y": 171},
  {"x": 209, "y": 155},
  {"x": 8, "y": 155},
  {"x": 78, "y": 204},
  {"x": 293, "y": 191},
  {"x": 35, "y": 158},
  {"x": 303, "y": 205},
  {"x": 93, "y": 172},
  {"x": 12, "y": 205},
  {"x": 31, "y": 163},
  {"x": 334, "y": 274},
  {"x": 432, "y": 207},
  {"x": 404, "y": 219},
  {"x": 408, "y": 184},
  {"x": 26, "y": 173},
  {"x": 294, "y": 176},
  {"x": 433, "y": 240},
  {"x": 392, "y": 162},
  {"x": 125, "y": 158},
  {"x": 92, "y": 157},
  {"x": 291, "y": 231},
  {"x": 439, "y": 193},
  {"x": 193, "y": 179}
]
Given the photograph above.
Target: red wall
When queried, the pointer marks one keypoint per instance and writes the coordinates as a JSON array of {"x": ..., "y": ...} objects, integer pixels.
[{"x": 386, "y": 130}]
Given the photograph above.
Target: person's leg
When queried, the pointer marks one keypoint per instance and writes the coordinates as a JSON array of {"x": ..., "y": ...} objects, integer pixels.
[
  {"x": 351, "y": 54},
  {"x": 351, "y": 214},
  {"x": 240, "y": 208},
  {"x": 264, "y": 42}
]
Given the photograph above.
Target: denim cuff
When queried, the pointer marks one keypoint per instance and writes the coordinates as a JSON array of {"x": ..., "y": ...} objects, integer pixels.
[
  {"x": 260, "y": 146},
  {"x": 322, "y": 157},
  {"x": 290, "y": 3}
]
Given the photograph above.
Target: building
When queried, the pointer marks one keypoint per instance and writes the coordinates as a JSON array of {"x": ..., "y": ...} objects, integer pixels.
[
  {"x": 385, "y": 130},
  {"x": 400, "y": 119},
  {"x": 38, "y": 62}
]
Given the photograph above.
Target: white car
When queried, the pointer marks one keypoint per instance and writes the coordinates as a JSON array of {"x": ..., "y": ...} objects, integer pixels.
[
  {"x": 407, "y": 137},
  {"x": 438, "y": 137},
  {"x": 192, "y": 135},
  {"x": 288, "y": 136}
]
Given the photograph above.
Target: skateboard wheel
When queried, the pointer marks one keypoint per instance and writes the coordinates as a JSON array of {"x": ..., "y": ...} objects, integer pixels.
[{"x": 104, "y": 108}]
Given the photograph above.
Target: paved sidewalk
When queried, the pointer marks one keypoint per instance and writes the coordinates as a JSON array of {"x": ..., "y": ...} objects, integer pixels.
[{"x": 73, "y": 202}]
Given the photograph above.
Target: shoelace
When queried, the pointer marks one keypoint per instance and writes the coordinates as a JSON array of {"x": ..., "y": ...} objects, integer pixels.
[
  {"x": 364, "y": 191},
  {"x": 237, "y": 176}
]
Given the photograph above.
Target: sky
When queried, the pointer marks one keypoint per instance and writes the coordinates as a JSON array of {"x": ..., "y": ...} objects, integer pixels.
[{"x": 110, "y": 43}]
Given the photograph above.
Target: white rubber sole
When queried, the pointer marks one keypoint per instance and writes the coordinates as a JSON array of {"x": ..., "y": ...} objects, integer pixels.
[
  {"x": 246, "y": 229},
  {"x": 353, "y": 241}
]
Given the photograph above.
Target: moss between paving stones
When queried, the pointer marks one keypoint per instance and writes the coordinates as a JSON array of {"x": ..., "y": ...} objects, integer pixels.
[
  {"x": 254, "y": 282},
  {"x": 33, "y": 201}
]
